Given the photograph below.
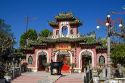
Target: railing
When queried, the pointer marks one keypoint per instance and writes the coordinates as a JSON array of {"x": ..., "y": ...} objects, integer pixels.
[
  {"x": 69, "y": 36},
  {"x": 15, "y": 72},
  {"x": 117, "y": 80},
  {"x": 116, "y": 75}
]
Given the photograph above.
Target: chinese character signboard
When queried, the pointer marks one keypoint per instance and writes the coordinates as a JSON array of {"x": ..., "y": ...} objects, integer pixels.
[{"x": 63, "y": 46}]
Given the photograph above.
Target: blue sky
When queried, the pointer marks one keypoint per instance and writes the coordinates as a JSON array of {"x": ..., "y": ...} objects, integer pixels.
[{"x": 14, "y": 13}]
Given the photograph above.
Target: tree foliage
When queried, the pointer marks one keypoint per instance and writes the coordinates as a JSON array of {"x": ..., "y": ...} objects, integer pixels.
[
  {"x": 118, "y": 44},
  {"x": 6, "y": 40},
  {"x": 31, "y": 34},
  {"x": 6, "y": 36},
  {"x": 45, "y": 33},
  {"x": 118, "y": 54}
]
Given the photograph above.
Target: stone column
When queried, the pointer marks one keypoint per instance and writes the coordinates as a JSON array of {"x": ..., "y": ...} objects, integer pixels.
[
  {"x": 60, "y": 32},
  {"x": 68, "y": 33}
]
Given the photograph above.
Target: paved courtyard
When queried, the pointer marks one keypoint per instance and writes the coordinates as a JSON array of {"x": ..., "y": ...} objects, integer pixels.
[
  {"x": 71, "y": 78},
  {"x": 36, "y": 77},
  {"x": 43, "y": 77}
]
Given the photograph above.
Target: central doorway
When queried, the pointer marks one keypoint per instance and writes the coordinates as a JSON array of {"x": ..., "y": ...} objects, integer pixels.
[
  {"x": 42, "y": 61},
  {"x": 63, "y": 57}
]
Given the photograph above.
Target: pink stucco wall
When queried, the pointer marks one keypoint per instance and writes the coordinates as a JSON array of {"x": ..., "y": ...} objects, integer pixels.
[
  {"x": 103, "y": 54},
  {"x": 49, "y": 50},
  {"x": 76, "y": 54},
  {"x": 95, "y": 57},
  {"x": 33, "y": 63},
  {"x": 75, "y": 30},
  {"x": 78, "y": 50},
  {"x": 54, "y": 31}
]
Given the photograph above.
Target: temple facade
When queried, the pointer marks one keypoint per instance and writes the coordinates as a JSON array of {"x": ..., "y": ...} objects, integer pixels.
[{"x": 66, "y": 45}]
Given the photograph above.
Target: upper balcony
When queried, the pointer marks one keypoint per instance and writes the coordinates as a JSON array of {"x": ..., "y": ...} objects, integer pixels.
[{"x": 65, "y": 36}]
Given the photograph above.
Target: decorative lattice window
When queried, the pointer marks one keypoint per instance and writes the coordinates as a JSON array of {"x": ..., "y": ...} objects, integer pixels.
[{"x": 30, "y": 59}]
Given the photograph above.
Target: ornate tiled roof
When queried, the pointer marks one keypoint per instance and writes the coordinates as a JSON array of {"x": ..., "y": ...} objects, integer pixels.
[
  {"x": 53, "y": 24},
  {"x": 65, "y": 17},
  {"x": 43, "y": 41},
  {"x": 57, "y": 40}
]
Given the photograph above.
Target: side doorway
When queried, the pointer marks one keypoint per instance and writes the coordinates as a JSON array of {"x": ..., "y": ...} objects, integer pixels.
[
  {"x": 42, "y": 60},
  {"x": 86, "y": 59}
]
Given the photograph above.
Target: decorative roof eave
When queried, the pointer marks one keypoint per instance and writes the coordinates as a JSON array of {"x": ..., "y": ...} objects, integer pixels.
[
  {"x": 91, "y": 44},
  {"x": 65, "y": 17},
  {"x": 101, "y": 50},
  {"x": 53, "y": 24},
  {"x": 28, "y": 50},
  {"x": 59, "y": 40},
  {"x": 75, "y": 23},
  {"x": 18, "y": 53},
  {"x": 38, "y": 44},
  {"x": 44, "y": 41}
]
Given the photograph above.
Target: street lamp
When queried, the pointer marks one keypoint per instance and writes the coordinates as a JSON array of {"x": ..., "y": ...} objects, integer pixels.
[
  {"x": 109, "y": 27},
  {"x": 111, "y": 32},
  {"x": 98, "y": 27},
  {"x": 120, "y": 25}
]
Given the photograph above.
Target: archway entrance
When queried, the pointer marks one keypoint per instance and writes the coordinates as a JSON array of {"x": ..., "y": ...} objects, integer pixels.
[
  {"x": 63, "y": 57},
  {"x": 86, "y": 59},
  {"x": 42, "y": 61}
]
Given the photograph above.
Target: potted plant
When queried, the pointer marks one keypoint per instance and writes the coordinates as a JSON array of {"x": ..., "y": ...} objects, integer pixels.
[
  {"x": 47, "y": 67},
  {"x": 72, "y": 67}
]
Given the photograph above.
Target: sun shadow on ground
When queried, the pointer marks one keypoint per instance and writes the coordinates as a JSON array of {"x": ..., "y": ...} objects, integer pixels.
[{"x": 63, "y": 75}]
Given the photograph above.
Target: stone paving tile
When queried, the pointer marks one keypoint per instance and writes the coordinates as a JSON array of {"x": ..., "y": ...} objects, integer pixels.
[
  {"x": 44, "y": 77},
  {"x": 49, "y": 79},
  {"x": 70, "y": 78},
  {"x": 36, "y": 77},
  {"x": 26, "y": 79},
  {"x": 30, "y": 77}
]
